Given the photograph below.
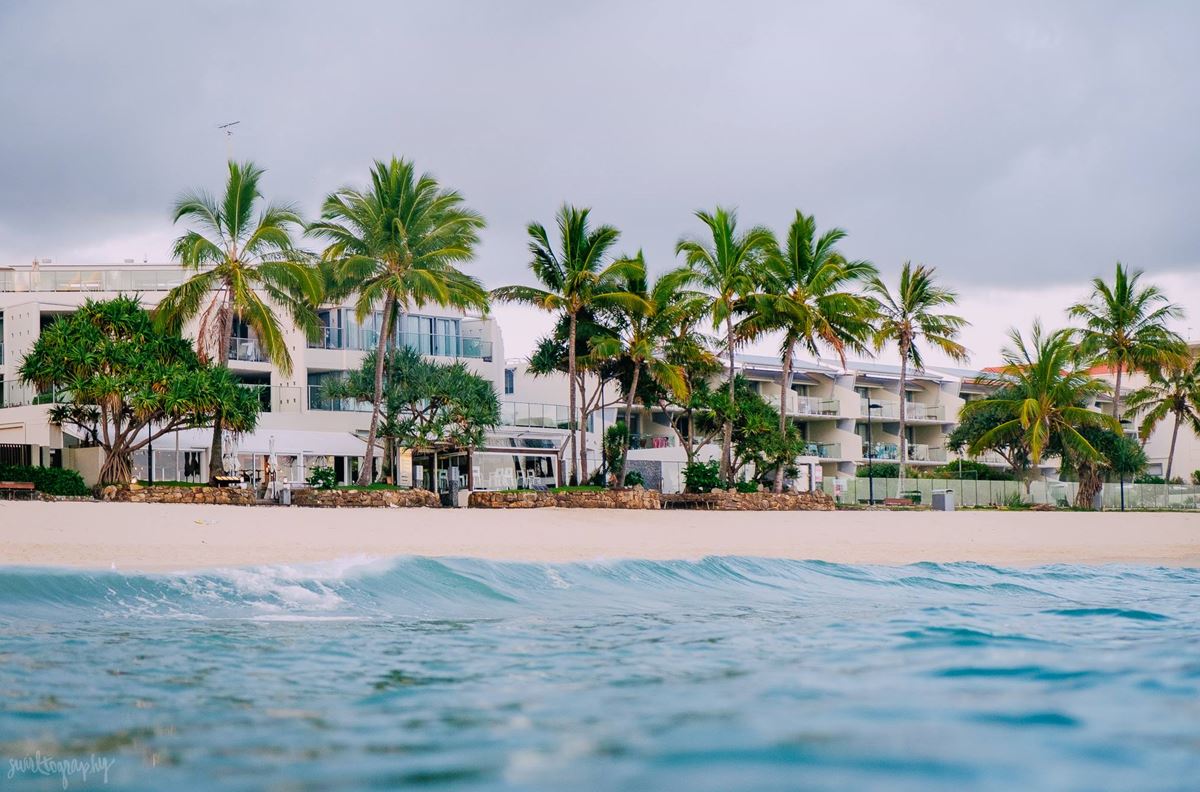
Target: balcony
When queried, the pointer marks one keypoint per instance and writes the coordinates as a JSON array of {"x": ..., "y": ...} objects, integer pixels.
[
  {"x": 888, "y": 410},
  {"x": 317, "y": 400},
  {"x": 917, "y": 452},
  {"x": 247, "y": 350},
  {"x": 92, "y": 280},
  {"x": 925, "y": 412},
  {"x": 15, "y": 393},
  {"x": 812, "y": 405},
  {"x": 532, "y": 414},
  {"x": 824, "y": 450},
  {"x": 431, "y": 344},
  {"x": 639, "y": 441}
]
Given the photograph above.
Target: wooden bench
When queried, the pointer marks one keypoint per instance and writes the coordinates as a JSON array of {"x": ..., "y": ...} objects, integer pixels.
[
  {"x": 897, "y": 501},
  {"x": 11, "y": 488}
]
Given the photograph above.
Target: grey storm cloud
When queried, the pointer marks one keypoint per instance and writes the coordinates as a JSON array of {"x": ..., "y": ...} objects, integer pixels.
[{"x": 1000, "y": 142}]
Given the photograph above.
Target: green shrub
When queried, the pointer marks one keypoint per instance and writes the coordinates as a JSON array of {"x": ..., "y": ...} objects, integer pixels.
[
  {"x": 52, "y": 481},
  {"x": 1015, "y": 501},
  {"x": 970, "y": 469},
  {"x": 747, "y": 486},
  {"x": 702, "y": 476},
  {"x": 1196, "y": 477},
  {"x": 1148, "y": 478},
  {"x": 879, "y": 470},
  {"x": 322, "y": 478},
  {"x": 634, "y": 479}
]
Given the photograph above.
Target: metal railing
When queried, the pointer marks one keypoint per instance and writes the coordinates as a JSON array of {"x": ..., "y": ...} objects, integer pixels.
[
  {"x": 431, "y": 344},
  {"x": 92, "y": 280}
]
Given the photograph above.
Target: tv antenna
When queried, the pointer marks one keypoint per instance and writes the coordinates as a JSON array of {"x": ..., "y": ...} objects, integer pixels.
[{"x": 228, "y": 130}]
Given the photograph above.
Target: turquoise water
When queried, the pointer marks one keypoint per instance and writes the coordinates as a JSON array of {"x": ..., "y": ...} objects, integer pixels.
[{"x": 728, "y": 673}]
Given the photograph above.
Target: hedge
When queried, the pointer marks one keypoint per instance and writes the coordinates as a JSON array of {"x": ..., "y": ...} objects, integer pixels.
[{"x": 52, "y": 481}]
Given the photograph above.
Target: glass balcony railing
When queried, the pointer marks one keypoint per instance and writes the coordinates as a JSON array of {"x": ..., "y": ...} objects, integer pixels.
[
  {"x": 639, "y": 441},
  {"x": 824, "y": 450},
  {"x": 246, "y": 349},
  {"x": 14, "y": 393},
  {"x": 813, "y": 405},
  {"x": 883, "y": 409},
  {"x": 318, "y": 400},
  {"x": 92, "y": 280},
  {"x": 431, "y": 344},
  {"x": 543, "y": 416}
]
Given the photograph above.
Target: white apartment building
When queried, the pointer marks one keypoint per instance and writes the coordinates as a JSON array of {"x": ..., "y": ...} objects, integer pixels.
[{"x": 298, "y": 428}]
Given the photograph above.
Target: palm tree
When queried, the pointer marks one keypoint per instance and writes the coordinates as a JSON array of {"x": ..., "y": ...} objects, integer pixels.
[
  {"x": 807, "y": 291},
  {"x": 910, "y": 317},
  {"x": 246, "y": 267},
  {"x": 1174, "y": 391},
  {"x": 397, "y": 246},
  {"x": 725, "y": 265},
  {"x": 642, "y": 331},
  {"x": 1124, "y": 327},
  {"x": 1048, "y": 394},
  {"x": 578, "y": 277}
]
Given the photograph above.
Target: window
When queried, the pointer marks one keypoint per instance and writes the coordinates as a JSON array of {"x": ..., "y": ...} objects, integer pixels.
[{"x": 510, "y": 376}]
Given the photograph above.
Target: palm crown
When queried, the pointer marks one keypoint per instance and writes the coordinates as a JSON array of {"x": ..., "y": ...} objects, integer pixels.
[
  {"x": 1175, "y": 392},
  {"x": 1124, "y": 326},
  {"x": 576, "y": 277},
  {"x": 245, "y": 264},
  {"x": 1048, "y": 393},
  {"x": 397, "y": 245}
]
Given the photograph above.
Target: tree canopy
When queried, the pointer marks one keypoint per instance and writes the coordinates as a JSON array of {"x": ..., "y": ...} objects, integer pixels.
[{"x": 128, "y": 382}]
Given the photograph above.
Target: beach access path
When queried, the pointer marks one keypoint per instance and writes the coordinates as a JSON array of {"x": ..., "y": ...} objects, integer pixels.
[{"x": 180, "y": 537}]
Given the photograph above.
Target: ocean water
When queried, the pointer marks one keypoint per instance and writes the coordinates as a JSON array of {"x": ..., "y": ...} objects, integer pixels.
[{"x": 722, "y": 674}]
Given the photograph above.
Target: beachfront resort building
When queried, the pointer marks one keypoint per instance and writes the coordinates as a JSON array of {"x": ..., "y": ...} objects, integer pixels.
[
  {"x": 848, "y": 414},
  {"x": 299, "y": 428}
]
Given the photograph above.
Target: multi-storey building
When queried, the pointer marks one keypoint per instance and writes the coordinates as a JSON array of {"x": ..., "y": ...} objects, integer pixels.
[{"x": 298, "y": 428}]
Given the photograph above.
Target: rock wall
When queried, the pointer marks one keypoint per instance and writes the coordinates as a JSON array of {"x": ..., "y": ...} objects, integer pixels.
[
  {"x": 632, "y": 498},
  {"x": 135, "y": 493},
  {"x": 730, "y": 500},
  {"x": 339, "y": 498}
]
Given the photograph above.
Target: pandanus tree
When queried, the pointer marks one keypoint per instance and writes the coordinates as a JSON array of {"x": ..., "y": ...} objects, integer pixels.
[
  {"x": 245, "y": 267},
  {"x": 809, "y": 292},
  {"x": 398, "y": 245},
  {"x": 724, "y": 264},
  {"x": 1124, "y": 327},
  {"x": 1047, "y": 394},
  {"x": 909, "y": 317},
  {"x": 1173, "y": 392},
  {"x": 577, "y": 275},
  {"x": 642, "y": 330},
  {"x": 128, "y": 382}
]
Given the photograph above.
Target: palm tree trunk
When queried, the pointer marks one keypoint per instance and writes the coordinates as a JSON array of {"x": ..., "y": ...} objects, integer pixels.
[
  {"x": 1171, "y": 452},
  {"x": 1117, "y": 396},
  {"x": 785, "y": 385},
  {"x": 216, "y": 452},
  {"x": 366, "y": 472},
  {"x": 903, "y": 413},
  {"x": 637, "y": 370},
  {"x": 727, "y": 429},
  {"x": 583, "y": 416},
  {"x": 571, "y": 408}
]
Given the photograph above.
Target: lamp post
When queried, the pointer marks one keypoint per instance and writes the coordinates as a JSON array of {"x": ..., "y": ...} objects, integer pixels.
[
  {"x": 1124, "y": 423},
  {"x": 871, "y": 454}
]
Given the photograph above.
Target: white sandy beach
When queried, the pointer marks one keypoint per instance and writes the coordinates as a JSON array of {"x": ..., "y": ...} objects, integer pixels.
[{"x": 159, "y": 537}]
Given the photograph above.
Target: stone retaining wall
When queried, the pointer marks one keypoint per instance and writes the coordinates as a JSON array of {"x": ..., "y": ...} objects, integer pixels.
[
  {"x": 729, "y": 500},
  {"x": 633, "y": 498},
  {"x": 212, "y": 495},
  {"x": 338, "y": 498}
]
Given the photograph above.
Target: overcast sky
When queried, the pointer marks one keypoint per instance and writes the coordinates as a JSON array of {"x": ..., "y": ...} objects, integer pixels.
[{"x": 1020, "y": 148}]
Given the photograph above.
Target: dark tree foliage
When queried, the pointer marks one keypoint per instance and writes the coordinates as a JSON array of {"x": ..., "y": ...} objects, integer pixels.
[{"x": 125, "y": 382}]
